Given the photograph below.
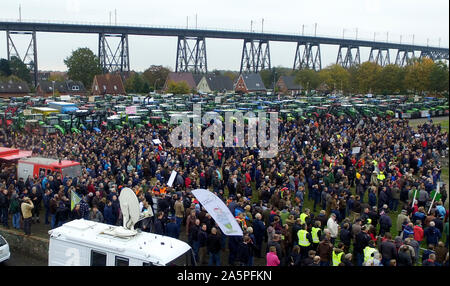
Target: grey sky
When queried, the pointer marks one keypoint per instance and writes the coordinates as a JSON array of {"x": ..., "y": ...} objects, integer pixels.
[{"x": 397, "y": 17}]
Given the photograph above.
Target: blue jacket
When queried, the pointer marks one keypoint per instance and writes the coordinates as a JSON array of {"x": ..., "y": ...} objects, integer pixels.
[
  {"x": 172, "y": 230},
  {"x": 372, "y": 199},
  {"x": 109, "y": 215},
  {"x": 432, "y": 234},
  {"x": 258, "y": 229}
]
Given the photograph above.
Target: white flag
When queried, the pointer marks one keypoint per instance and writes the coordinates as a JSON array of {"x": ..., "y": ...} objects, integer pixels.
[
  {"x": 172, "y": 178},
  {"x": 219, "y": 212}
]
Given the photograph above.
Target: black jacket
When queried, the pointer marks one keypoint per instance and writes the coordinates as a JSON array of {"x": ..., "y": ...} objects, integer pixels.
[
  {"x": 345, "y": 236},
  {"x": 213, "y": 243},
  {"x": 4, "y": 202},
  {"x": 202, "y": 237},
  {"x": 361, "y": 240}
]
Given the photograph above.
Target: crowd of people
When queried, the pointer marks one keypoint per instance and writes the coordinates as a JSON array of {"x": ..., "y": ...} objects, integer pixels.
[{"x": 319, "y": 202}]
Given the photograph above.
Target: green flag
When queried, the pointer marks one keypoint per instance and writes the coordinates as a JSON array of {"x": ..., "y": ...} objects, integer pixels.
[
  {"x": 438, "y": 196},
  {"x": 74, "y": 200}
]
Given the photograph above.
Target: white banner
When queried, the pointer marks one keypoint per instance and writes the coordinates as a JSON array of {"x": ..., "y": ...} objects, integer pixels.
[
  {"x": 172, "y": 178},
  {"x": 219, "y": 212},
  {"x": 356, "y": 150}
]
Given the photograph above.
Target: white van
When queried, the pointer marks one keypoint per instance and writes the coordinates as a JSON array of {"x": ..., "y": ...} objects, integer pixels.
[
  {"x": 4, "y": 249},
  {"x": 87, "y": 243}
]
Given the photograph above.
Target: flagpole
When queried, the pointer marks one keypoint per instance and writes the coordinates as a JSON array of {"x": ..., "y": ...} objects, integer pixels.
[
  {"x": 434, "y": 197},
  {"x": 414, "y": 198}
]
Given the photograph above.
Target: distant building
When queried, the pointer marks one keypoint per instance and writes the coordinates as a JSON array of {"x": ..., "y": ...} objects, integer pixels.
[
  {"x": 286, "y": 84},
  {"x": 179, "y": 77},
  {"x": 68, "y": 87},
  {"x": 212, "y": 82},
  {"x": 251, "y": 82},
  {"x": 13, "y": 89},
  {"x": 108, "y": 84}
]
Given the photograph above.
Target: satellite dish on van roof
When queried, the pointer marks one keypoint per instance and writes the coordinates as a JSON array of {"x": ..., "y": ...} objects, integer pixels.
[{"x": 129, "y": 206}]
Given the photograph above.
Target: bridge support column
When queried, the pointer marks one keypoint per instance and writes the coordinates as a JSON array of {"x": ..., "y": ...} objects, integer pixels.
[
  {"x": 349, "y": 59},
  {"x": 404, "y": 57},
  {"x": 307, "y": 56},
  {"x": 117, "y": 61},
  {"x": 380, "y": 56},
  {"x": 255, "y": 56},
  {"x": 30, "y": 56},
  {"x": 191, "y": 60}
]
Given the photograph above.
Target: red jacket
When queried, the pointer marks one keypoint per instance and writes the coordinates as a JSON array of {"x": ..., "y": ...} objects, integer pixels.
[
  {"x": 187, "y": 182},
  {"x": 418, "y": 233}
]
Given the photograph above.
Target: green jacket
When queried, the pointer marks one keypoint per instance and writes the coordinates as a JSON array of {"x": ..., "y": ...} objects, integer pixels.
[{"x": 14, "y": 206}]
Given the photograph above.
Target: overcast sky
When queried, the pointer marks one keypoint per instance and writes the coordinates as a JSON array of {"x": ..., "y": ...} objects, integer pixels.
[{"x": 388, "y": 19}]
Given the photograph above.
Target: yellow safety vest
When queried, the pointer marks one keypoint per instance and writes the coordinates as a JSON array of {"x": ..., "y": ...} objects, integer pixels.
[
  {"x": 368, "y": 251},
  {"x": 314, "y": 232},
  {"x": 337, "y": 258},
  {"x": 302, "y": 240},
  {"x": 303, "y": 217},
  {"x": 381, "y": 176}
]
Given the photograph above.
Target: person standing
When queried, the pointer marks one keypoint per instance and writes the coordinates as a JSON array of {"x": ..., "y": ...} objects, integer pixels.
[
  {"x": 202, "y": 251},
  {"x": 14, "y": 209},
  {"x": 4, "y": 205},
  {"x": 361, "y": 241},
  {"x": 214, "y": 246},
  {"x": 333, "y": 226},
  {"x": 259, "y": 230},
  {"x": 304, "y": 240},
  {"x": 432, "y": 234},
  {"x": 325, "y": 250},
  {"x": 388, "y": 250},
  {"x": 27, "y": 207},
  {"x": 272, "y": 257}
]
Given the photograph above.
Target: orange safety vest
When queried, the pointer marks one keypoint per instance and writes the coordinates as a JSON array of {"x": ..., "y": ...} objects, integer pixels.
[
  {"x": 163, "y": 190},
  {"x": 154, "y": 191}
]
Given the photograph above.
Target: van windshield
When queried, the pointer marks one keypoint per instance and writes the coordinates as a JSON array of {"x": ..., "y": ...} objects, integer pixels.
[{"x": 186, "y": 259}]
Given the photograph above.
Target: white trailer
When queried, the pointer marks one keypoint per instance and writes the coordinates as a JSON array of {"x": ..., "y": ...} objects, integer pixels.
[{"x": 87, "y": 243}]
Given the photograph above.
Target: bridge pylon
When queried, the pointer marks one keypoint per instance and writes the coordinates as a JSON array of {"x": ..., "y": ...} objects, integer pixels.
[
  {"x": 380, "y": 56},
  {"x": 307, "y": 56},
  {"x": 255, "y": 56},
  {"x": 348, "y": 60},
  {"x": 404, "y": 57},
  {"x": 30, "y": 56},
  {"x": 191, "y": 59},
  {"x": 113, "y": 60}
]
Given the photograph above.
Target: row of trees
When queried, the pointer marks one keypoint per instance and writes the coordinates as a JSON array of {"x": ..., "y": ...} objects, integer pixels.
[
  {"x": 151, "y": 79},
  {"x": 420, "y": 76}
]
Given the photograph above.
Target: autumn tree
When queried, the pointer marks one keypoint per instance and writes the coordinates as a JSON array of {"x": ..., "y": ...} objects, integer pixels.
[
  {"x": 156, "y": 76},
  {"x": 367, "y": 77},
  {"x": 336, "y": 77},
  {"x": 391, "y": 79},
  {"x": 308, "y": 78},
  {"x": 439, "y": 77},
  {"x": 418, "y": 73},
  {"x": 181, "y": 87},
  {"x": 82, "y": 66}
]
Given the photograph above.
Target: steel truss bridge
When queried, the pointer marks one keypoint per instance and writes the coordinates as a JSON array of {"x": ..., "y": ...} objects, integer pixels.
[{"x": 191, "y": 47}]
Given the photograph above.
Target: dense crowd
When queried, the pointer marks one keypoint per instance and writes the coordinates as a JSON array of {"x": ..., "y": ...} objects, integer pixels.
[{"x": 317, "y": 203}]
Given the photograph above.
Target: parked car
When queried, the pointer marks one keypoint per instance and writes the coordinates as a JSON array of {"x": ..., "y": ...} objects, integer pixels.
[{"x": 4, "y": 249}]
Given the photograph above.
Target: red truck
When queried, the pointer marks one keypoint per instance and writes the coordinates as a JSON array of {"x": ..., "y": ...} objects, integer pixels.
[{"x": 34, "y": 166}]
